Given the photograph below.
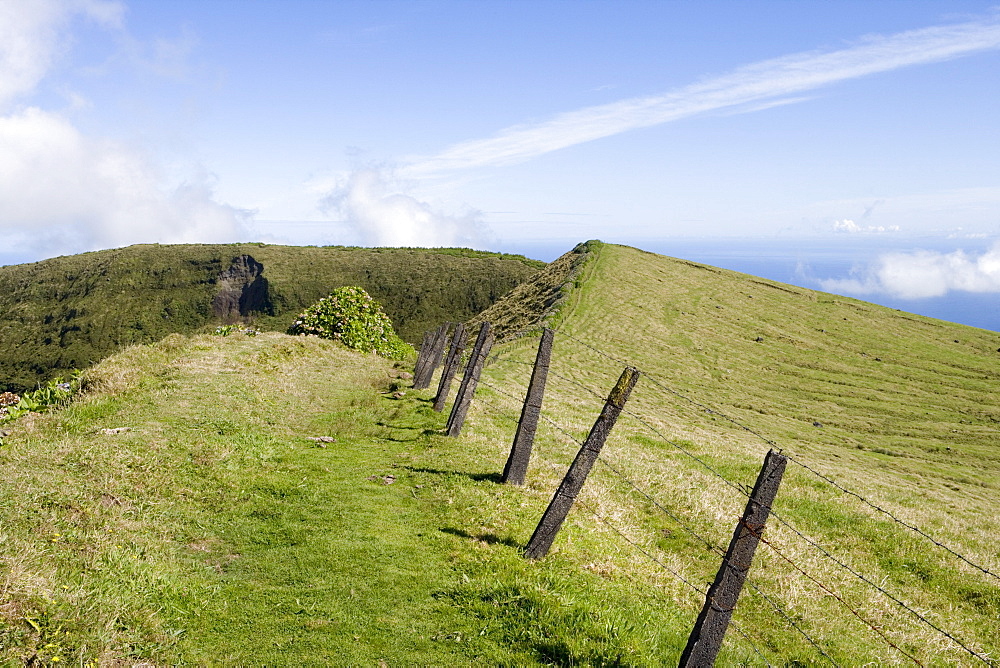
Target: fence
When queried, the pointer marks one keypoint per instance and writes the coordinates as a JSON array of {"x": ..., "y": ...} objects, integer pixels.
[{"x": 541, "y": 390}]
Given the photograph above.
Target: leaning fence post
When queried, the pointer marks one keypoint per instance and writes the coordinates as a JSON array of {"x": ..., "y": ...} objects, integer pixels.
[
  {"x": 520, "y": 453},
  {"x": 470, "y": 380},
  {"x": 572, "y": 483},
  {"x": 450, "y": 367},
  {"x": 433, "y": 358},
  {"x": 425, "y": 352},
  {"x": 709, "y": 630}
]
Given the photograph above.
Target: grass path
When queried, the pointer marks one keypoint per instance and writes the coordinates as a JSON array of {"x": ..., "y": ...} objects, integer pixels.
[
  {"x": 213, "y": 530},
  {"x": 210, "y": 530}
]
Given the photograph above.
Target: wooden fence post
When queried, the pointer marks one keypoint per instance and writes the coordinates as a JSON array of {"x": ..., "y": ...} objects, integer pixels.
[
  {"x": 425, "y": 352},
  {"x": 450, "y": 367},
  {"x": 470, "y": 380},
  {"x": 433, "y": 358},
  {"x": 520, "y": 453},
  {"x": 709, "y": 630},
  {"x": 571, "y": 485}
]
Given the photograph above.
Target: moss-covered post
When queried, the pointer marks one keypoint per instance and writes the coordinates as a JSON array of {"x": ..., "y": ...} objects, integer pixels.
[
  {"x": 450, "y": 367},
  {"x": 520, "y": 453},
  {"x": 470, "y": 380},
  {"x": 571, "y": 485},
  {"x": 720, "y": 601}
]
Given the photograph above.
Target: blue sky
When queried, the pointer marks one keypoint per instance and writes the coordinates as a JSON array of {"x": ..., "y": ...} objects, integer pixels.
[{"x": 519, "y": 126}]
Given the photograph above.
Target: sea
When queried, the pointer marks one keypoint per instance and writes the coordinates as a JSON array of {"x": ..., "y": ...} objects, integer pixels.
[{"x": 806, "y": 262}]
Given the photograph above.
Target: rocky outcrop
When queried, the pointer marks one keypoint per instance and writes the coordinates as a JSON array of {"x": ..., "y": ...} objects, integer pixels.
[{"x": 242, "y": 291}]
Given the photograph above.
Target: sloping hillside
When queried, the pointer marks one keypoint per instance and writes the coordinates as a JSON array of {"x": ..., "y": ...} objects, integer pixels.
[
  {"x": 69, "y": 312},
  {"x": 898, "y": 409}
]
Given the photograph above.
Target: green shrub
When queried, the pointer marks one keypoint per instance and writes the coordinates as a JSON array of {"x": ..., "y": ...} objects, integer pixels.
[{"x": 351, "y": 316}]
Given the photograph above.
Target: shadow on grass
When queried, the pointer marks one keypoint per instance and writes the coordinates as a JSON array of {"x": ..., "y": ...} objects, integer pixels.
[
  {"x": 488, "y": 538},
  {"x": 408, "y": 427},
  {"x": 478, "y": 477}
]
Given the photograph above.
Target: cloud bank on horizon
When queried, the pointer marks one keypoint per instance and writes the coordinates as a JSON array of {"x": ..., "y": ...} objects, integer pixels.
[
  {"x": 923, "y": 274},
  {"x": 65, "y": 192}
]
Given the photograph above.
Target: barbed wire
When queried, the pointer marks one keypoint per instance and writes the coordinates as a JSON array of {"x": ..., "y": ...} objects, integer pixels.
[
  {"x": 498, "y": 359},
  {"x": 628, "y": 540},
  {"x": 832, "y": 482},
  {"x": 600, "y": 396},
  {"x": 712, "y": 547},
  {"x": 829, "y": 555},
  {"x": 704, "y": 592},
  {"x": 745, "y": 492},
  {"x": 877, "y": 587},
  {"x": 788, "y": 619},
  {"x": 713, "y": 411},
  {"x": 596, "y": 350},
  {"x": 810, "y": 541},
  {"x": 739, "y": 488},
  {"x": 759, "y": 535},
  {"x": 750, "y": 642},
  {"x": 707, "y": 543}
]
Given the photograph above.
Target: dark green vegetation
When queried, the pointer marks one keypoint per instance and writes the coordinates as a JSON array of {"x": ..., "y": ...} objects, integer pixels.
[
  {"x": 350, "y": 315},
  {"x": 68, "y": 312},
  {"x": 215, "y": 531}
]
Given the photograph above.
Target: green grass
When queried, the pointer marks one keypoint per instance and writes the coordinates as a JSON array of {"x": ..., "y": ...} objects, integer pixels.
[
  {"x": 70, "y": 312},
  {"x": 215, "y": 531},
  {"x": 908, "y": 417}
]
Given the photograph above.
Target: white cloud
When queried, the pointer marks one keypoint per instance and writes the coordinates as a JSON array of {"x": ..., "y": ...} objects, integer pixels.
[
  {"x": 33, "y": 33},
  {"x": 373, "y": 203},
  {"x": 923, "y": 274},
  {"x": 755, "y": 83},
  {"x": 848, "y": 226},
  {"x": 64, "y": 192},
  {"x": 59, "y": 186}
]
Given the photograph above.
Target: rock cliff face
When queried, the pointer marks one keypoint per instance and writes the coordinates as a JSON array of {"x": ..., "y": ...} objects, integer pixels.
[{"x": 242, "y": 291}]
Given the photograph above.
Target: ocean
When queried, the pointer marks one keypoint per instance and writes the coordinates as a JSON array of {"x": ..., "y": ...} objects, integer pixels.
[{"x": 806, "y": 262}]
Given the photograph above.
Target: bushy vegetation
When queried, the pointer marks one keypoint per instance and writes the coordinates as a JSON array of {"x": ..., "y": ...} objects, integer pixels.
[
  {"x": 70, "y": 312},
  {"x": 350, "y": 315},
  {"x": 56, "y": 392}
]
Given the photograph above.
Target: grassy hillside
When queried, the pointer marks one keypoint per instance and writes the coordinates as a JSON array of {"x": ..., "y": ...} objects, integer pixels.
[
  {"x": 898, "y": 408},
  {"x": 69, "y": 312},
  {"x": 395, "y": 544}
]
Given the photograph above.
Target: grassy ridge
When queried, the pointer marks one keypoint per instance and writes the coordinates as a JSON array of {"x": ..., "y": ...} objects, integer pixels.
[
  {"x": 69, "y": 312},
  {"x": 215, "y": 531},
  {"x": 897, "y": 407}
]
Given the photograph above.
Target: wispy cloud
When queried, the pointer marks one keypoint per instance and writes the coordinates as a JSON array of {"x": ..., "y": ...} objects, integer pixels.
[
  {"x": 33, "y": 33},
  {"x": 752, "y": 84},
  {"x": 848, "y": 226}
]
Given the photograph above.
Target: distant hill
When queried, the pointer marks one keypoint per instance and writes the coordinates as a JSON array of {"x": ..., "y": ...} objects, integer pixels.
[{"x": 69, "y": 312}]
